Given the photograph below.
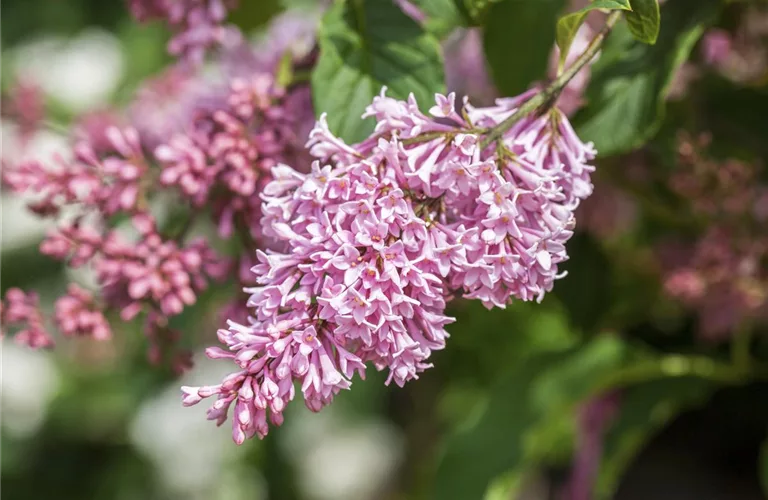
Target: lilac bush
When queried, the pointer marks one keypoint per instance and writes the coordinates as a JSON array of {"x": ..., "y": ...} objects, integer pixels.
[{"x": 326, "y": 197}]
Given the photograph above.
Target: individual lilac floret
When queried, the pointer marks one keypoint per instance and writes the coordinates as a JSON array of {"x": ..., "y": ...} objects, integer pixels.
[{"x": 380, "y": 235}]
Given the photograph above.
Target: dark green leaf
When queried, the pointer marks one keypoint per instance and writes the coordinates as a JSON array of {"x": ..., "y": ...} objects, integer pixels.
[
  {"x": 546, "y": 385},
  {"x": 631, "y": 79},
  {"x": 365, "y": 45},
  {"x": 586, "y": 305},
  {"x": 569, "y": 24},
  {"x": 645, "y": 409},
  {"x": 645, "y": 20},
  {"x": 518, "y": 39},
  {"x": 251, "y": 15}
]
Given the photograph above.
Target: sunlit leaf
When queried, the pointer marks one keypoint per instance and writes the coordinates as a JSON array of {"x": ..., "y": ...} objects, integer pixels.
[{"x": 364, "y": 46}]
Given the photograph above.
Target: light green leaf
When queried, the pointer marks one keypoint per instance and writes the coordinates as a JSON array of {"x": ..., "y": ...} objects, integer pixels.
[
  {"x": 569, "y": 25},
  {"x": 645, "y": 20},
  {"x": 517, "y": 40},
  {"x": 365, "y": 45},
  {"x": 630, "y": 80},
  {"x": 645, "y": 409},
  {"x": 536, "y": 392}
]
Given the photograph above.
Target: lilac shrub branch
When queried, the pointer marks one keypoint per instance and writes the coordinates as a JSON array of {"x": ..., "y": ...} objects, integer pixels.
[{"x": 550, "y": 93}]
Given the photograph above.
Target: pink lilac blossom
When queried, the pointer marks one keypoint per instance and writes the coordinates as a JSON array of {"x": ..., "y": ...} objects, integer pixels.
[
  {"x": 380, "y": 235},
  {"x": 716, "y": 46},
  {"x": 165, "y": 104},
  {"x": 25, "y": 105},
  {"x": 720, "y": 275},
  {"x": 213, "y": 140},
  {"x": 20, "y": 312},
  {"x": 197, "y": 24},
  {"x": 77, "y": 314},
  {"x": 292, "y": 32},
  {"x": 216, "y": 156},
  {"x": 109, "y": 182},
  {"x": 225, "y": 156},
  {"x": 609, "y": 213},
  {"x": 95, "y": 128},
  {"x": 740, "y": 56},
  {"x": 152, "y": 272}
]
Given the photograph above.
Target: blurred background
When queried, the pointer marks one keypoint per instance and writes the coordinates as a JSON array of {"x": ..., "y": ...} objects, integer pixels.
[{"x": 531, "y": 396}]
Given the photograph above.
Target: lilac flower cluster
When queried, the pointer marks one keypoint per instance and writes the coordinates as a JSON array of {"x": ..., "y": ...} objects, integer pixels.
[
  {"x": 20, "y": 311},
  {"x": 109, "y": 183},
  {"x": 24, "y": 105},
  {"x": 77, "y": 314},
  {"x": 379, "y": 236},
  {"x": 206, "y": 147},
  {"x": 151, "y": 274},
  {"x": 224, "y": 157},
  {"x": 721, "y": 275},
  {"x": 197, "y": 24},
  {"x": 740, "y": 56},
  {"x": 150, "y": 271}
]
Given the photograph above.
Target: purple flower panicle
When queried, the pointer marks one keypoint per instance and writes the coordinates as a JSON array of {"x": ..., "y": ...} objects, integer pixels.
[{"x": 380, "y": 235}]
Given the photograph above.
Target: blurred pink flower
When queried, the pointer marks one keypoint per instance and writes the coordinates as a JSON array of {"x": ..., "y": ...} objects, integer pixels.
[{"x": 20, "y": 312}]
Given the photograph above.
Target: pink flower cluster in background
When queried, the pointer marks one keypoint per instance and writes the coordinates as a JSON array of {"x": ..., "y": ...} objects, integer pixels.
[
  {"x": 20, "y": 311},
  {"x": 133, "y": 200},
  {"x": 197, "y": 24},
  {"x": 380, "y": 235},
  {"x": 722, "y": 274}
]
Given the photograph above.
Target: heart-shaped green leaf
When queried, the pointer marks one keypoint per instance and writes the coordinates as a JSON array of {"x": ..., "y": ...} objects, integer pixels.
[
  {"x": 364, "y": 46},
  {"x": 645, "y": 20}
]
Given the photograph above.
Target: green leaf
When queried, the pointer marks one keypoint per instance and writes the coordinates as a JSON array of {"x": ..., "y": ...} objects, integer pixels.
[
  {"x": 645, "y": 409},
  {"x": 645, "y": 20},
  {"x": 443, "y": 16},
  {"x": 535, "y": 392},
  {"x": 630, "y": 80},
  {"x": 569, "y": 25},
  {"x": 517, "y": 40},
  {"x": 364, "y": 46}
]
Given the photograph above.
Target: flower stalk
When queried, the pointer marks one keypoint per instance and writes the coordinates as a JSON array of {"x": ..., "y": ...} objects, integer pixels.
[{"x": 550, "y": 93}]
